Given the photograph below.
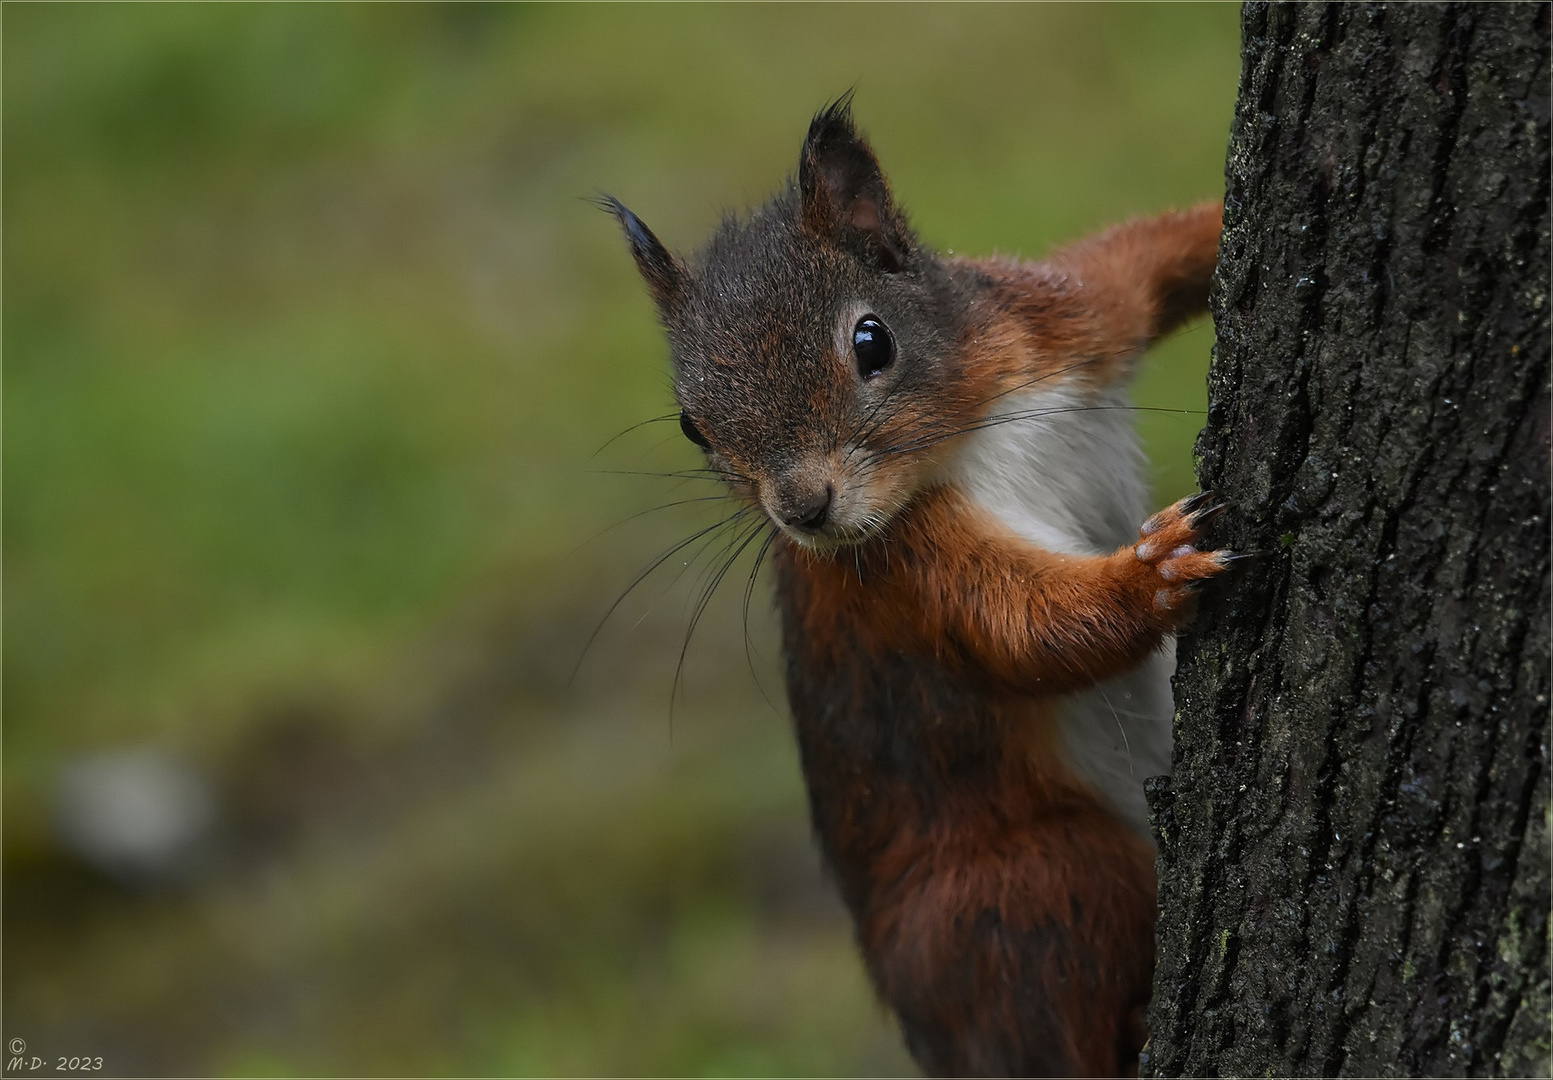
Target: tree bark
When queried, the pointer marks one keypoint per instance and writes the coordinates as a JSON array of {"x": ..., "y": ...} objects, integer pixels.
[{"x": 1354, "y": 861}]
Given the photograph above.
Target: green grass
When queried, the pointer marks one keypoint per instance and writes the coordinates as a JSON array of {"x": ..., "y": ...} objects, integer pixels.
[{"x": 309, "y": 340}]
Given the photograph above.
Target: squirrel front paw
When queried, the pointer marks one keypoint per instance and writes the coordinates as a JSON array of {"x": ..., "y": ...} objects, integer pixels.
[{"x": 1167, "y": 546}]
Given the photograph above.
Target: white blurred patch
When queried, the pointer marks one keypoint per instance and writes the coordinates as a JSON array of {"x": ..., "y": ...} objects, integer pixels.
[{"x": 140, "y": 817}]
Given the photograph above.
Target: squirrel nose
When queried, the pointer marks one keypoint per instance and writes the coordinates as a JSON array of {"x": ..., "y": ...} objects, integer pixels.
[{"x": 809, "y": 512}]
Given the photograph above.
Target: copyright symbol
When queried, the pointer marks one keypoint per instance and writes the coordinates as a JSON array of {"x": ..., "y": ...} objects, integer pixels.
[{"x": 17, "y": 1046}]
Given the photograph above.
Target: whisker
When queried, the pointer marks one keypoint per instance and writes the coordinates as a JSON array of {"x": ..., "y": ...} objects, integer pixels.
[
  {"x": 643, "y": 513},
  {"x": 867, "y": 426},
  {"x": 693, "y": 558},
  {"x": 627, "y": 431},
  {"x": 1126, "y": 742},
  {"x": 642, "y": 576},
  {"x": 749, "y": 591},
  {"x": 975, "y": 405},
  {"x": 700, "y": 609},
  {"x": 1008, "y": 418},
  {"x": 936, "y": 423},
  {"x": 680, "y": 474},
  {"x": 731, "y": 539}
]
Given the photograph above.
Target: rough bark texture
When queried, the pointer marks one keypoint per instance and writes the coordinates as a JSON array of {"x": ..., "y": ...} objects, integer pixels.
[{"x": 1354, "y": 861}]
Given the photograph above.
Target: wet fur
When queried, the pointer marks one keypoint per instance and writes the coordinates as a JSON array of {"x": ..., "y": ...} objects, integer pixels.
[{"x": 978, "y": 645}]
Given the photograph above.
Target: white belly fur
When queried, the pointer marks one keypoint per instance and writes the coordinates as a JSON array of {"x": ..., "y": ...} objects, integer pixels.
[{"x": 1072, "y": 482}]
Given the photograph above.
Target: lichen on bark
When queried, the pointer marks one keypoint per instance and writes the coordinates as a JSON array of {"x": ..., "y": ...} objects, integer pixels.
[{"x": 1354, "y": 861}]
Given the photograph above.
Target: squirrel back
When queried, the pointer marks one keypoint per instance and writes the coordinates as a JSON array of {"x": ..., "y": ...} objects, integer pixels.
[{"x": 977, "y": 631}]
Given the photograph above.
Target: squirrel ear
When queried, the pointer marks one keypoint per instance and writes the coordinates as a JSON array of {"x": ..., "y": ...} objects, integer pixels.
[
  {"x": 843, "y": 191},
  {"x": 664, "y": 275}
]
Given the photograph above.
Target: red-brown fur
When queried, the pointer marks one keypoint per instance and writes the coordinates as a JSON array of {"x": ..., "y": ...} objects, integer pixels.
[
  {"x": 1007, "y": 829},
  {"x": 1014, "y": 832},
  {"x": 952, "y": 588},
  {"x": 1003, "y": 907}
]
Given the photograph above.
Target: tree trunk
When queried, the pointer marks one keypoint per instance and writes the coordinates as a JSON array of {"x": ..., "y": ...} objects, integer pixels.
[{"x": 1354, "y": 861}]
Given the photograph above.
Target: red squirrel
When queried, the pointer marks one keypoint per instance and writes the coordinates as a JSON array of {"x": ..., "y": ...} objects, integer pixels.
[{"x": 977, "y": 631}]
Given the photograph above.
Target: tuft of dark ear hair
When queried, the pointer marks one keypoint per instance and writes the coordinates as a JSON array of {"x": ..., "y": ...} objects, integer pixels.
[
  {"x": 842, "y": 190},
  {"x": 663, "y": 273}
]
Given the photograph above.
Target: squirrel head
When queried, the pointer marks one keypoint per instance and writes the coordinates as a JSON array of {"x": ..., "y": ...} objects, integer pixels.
[{"x": 813, "y": 342}]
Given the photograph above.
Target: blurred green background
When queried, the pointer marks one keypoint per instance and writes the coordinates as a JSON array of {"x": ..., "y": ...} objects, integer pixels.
[{"x": 310, "y": 345}]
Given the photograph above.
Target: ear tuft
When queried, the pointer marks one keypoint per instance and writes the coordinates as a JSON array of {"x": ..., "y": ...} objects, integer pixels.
[
  {"x": 663, "y": 273},
  {"x": 843, "y": 192}
]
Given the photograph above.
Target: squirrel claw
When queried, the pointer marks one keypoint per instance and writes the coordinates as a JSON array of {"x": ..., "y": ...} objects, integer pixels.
[
  {"x": 1192, "y": 503},
  {"x": 1201, "y": 517},
  {"x": 1168, "y": 546}
]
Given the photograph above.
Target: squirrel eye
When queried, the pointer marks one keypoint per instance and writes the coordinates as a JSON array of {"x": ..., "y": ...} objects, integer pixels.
[
  {"x": 693, "y": 433},
  {"x": 872, "y": 345}
]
